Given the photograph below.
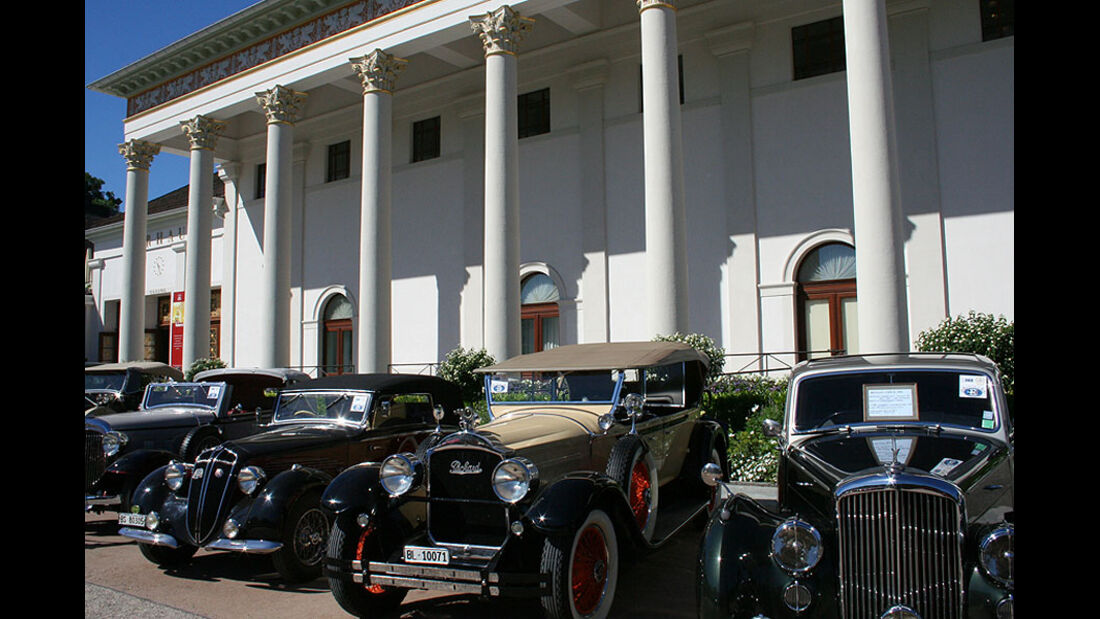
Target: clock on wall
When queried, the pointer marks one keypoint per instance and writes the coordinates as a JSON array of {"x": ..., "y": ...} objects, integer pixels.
[{"x": 158, "y": 265}]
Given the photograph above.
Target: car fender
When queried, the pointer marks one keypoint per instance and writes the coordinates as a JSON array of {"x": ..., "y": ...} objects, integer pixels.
[
  {"x": 562, "y": 507},
  {"x": 133, "y": 466},
  {"x": 705, "y": 431},
  {"x": 355, "y": 489},
  {"x": 270, "y": 507},
  {"x": 151, "y": 492}
]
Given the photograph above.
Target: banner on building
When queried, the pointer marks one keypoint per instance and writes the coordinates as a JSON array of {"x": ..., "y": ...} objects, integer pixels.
[{"x": 175, "y": 358}]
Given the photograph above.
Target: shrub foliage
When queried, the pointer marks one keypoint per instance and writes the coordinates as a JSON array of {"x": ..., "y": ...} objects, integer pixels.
[
  {"x": 202, "y": 364},
  {"x": 976, "y": 333},
  {"x": 458, "y": 367}
]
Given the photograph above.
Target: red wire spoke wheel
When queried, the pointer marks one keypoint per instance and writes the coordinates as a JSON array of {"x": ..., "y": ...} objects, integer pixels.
[
  {"x": 640, "y": 492},
  {"x": 589, "y": 569}
]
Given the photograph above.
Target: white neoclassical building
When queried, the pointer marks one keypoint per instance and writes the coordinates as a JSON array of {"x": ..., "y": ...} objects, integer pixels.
[{"x": 375, "y": 183}]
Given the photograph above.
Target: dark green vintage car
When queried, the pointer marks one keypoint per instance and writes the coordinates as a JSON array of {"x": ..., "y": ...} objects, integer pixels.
[{"x": 894, "y": 498}]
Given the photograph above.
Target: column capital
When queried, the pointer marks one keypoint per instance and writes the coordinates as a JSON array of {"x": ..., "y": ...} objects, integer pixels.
[
  {"x": 202, "y": 131},
  {"x": 378, "y": 71},
  {"x": 651, "y": 4},
  {"x": 501, "y": 30},
  {"x": 139, "y": 154},
  {"x": 281, "y": 104}
]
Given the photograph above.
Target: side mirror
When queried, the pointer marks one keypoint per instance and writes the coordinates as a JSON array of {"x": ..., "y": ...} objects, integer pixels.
[
  {"x": 711, "y": 473},
  {"x": 772, "y": 428}
]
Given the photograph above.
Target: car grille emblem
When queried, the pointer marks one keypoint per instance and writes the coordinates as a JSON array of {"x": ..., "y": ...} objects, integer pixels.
[
  {"x": 197, "y": 475},
  {"x": 464, "y": 468},
  {"x": 218, "y": 473}
]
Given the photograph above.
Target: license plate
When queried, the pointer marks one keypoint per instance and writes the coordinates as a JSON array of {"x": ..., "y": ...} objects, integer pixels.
[
  {"x": 420, "y": 554},
  {"x": 136, "y": 520}
]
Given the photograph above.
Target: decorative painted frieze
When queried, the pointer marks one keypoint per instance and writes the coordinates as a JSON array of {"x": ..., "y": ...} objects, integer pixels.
[
  {"x": 378, "y": 71},
  {"x": 202, "y": 131},
  {"x": 501, "y": 30},
  {"x": 281, "y": 104},
  {"x": 138, "y": 154}
]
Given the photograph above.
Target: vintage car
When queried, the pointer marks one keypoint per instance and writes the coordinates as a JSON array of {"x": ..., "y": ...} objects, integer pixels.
[
  {"x": 592, "y": 453},
  {"x": 261, "y": 494},
  {"x": 894, "y": 498},
  {"x": 176, "y": 420},
  {"x": 119, "y": 387}
]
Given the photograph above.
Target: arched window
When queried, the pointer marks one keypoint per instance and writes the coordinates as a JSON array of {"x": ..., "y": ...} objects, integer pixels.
[
  {"x": 539, "y": 312},
  {"x": 827, "y": 302},
  {"x": 337, "y": 344}
]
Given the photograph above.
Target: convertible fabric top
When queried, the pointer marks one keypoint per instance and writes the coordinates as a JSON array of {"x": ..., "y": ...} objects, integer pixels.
[
  {"x": 442, "y": 391},
  {"x": 600, "y": 356},
  {"x": 149, "y": 367}
]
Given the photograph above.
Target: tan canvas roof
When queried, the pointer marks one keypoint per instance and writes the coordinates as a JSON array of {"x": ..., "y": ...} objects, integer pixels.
[
  {"x": 149, "y": 367},
  {"x": 602, "y": 356}
]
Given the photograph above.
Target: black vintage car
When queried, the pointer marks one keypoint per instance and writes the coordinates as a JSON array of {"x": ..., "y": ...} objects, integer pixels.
[
  {"x": 119, "y": 387},
  {"x": 176, "y": 420},
  {"x": 895, "y": 498},
  {"x": 261, "y": 494},
  {"x": 593, "y": 451}
]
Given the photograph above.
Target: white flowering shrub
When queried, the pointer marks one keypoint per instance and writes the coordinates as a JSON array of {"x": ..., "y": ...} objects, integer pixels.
[
  {"x": 976, "y": 333},
  {"x": 714, "y": 353},
  {"x": 753, "y": 456}
]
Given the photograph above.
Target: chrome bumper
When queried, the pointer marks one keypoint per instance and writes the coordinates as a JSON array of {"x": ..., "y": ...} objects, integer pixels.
[
  {"x": 247, "y": 546},
  {"x": 99, "y": 500},
  {"x": 455, "y": 580},
  {"x": 148, "y": 537}
]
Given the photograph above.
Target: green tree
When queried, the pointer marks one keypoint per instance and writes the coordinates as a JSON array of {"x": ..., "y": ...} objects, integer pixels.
[{"x": 96, "y": 202}]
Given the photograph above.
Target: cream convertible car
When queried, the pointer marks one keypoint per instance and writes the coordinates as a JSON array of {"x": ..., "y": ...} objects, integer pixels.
[{"x": 593, "y": 449}]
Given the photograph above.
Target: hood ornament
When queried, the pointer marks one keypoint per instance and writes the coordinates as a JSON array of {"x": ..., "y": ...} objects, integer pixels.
[{"x": 467, "y": 419}]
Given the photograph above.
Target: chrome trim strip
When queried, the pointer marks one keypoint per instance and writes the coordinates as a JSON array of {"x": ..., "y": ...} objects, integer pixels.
[
  {"x": 148, "y": 537},
  {"x": 247, "y": 546},
  {"x": 433, "y": 585},
  {"x": 92, "y": 499},
  {"x": 377, "y": 568}
]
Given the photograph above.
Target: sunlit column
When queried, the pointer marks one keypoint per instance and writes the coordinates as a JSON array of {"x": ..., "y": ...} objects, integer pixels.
[
  {"x": 378, "y": 73},
  {"x": 282, "y": 106},
  {"x": 131, "y": 319},
  {"x": 500, "y": 32}
]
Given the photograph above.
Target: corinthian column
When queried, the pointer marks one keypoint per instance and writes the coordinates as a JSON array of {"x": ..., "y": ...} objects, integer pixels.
[
  {"x": 282, "y": 106},
  {"x": 131, "y": 319},
  {"x": 378, "y": 72},
  {"x": 203, "y": 134},
  {"x": 880, "y": 274},
  {"x": 665, "y": 235},
  {"x": 501, "y": 31}
]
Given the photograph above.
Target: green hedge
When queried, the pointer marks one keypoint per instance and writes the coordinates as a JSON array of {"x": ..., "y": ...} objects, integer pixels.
[
  {"x": 201, "y": 365},
  {"x": 741, "y": 403}
]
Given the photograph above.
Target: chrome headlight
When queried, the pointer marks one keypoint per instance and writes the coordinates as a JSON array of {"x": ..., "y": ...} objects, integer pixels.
[
  {"x": 398, "y": 473},
  {"x": 175, "y": 474},
  {"x": 996, "y": 554},
  {"x": 250, "y": 478},
  {"x": 512, "y": 479},
  {"x": 113, "y": 442},
  {"x": 796, "y": 546}
]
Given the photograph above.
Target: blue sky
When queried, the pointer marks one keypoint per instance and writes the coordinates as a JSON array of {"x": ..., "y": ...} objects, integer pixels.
[{"x": 117, "y": 33}]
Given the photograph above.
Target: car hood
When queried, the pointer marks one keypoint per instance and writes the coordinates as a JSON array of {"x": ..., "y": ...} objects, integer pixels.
[
  {"x": 290, "y": 441},
  {"x": 556, "y": 439},
  {"x": 161, "y": 418}
]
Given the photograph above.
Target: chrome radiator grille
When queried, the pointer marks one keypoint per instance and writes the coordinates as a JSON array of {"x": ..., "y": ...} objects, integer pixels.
[
  {"x": 900, "y": 546},
  {"x": 95, "y": 461},
  {"x": 462, "y": 508},
  {"x": 213, "y": 481}
]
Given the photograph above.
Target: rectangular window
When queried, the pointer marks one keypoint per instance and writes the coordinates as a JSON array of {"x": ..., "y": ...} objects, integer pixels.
[
  {"x": 425, "y": 139},
  {"x": 998, "y": 19},
  {"x": 261, "y": 180},
  {"x": 534, "y": 113},
  {"x": 818, "y": 48},
  {"x": 339, "y": 161}
]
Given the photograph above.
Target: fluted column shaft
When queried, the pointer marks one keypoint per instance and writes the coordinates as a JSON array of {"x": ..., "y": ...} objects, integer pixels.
[
  {"x": 131, "y": 318},
  {"x": 377, "y": 72},
  {"x": 501, "y": 32},
  {"x": 665, "y": 235},
  {"x": 203, "y": 133},
  {"x": 880, "y": 271},
  {"x": 282, "y": 106}
]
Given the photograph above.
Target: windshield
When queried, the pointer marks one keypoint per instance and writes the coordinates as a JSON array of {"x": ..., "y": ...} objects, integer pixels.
[
  {"x": 335, "y": 406},
  {"x": 205, "y": 395},
  {"x": 573, "y": 387},
  {"x": 897, "y": 396},
  {"x": 103, "y": 380}
]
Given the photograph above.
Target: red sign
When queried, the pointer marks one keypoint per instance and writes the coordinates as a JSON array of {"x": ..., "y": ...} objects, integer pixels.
[{"x": 175, "y": 358}]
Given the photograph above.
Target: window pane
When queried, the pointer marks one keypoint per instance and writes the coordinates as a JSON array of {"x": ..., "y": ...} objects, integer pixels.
[
  {"x": 527, "y": 339},
  {"x": 338, "y": 308},
  {"x": 828, "y": 262},
  {"x": 848, "y": 325},
  {"x": 549, "y": 332},
  {"x": 339, "y": 161},
  {"x": 345, "y": 348},
  {"x": 818, "y": 48},
  {"x": 998, "y": 19},
  {"x": 817, "y": 327},
  {"x": 538, "y": 288},
  {"x": 426, "y": 139},
  {"x": 534, "y": 113}
]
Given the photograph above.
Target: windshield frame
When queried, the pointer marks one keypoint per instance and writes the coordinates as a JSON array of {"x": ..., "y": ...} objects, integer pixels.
[
  {"x": 1000, "y": 427},
  {"x": 547, "y": 375},
  {"x": 223, "y": 389},
  {"x": 338, "y": 421}
]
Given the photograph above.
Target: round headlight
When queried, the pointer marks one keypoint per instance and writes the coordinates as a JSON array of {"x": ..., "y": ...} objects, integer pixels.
[
  {"x": 113, "y": 442},
  {"x": 230, "y": 528},
  {"x": 397, "y": 474},
  {"x": 796, "y": 546},
  {"x": 175, "y": 474},
  {"x": 512, "y": 479},
  {"x": 151, "y": 521},
  {"x": 250, "y": 478},
  {"x": 996, "y": 554}
]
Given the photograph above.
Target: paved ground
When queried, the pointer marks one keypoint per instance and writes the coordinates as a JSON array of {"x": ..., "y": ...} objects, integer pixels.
[{"x": 119, "y": 582}]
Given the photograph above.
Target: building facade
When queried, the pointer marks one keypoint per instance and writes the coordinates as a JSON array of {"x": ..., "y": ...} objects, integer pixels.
[{"x": 401, "y": 178}]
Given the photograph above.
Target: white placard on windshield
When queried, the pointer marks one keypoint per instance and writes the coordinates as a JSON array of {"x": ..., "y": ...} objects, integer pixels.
[
  {"x": 972, "y": 386},
  {"x": 890, "y": 402},
  {"x": 213, "y": 392},
  {"x": 359, "y": 404},
  {"x": 498, "y": 386}
]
